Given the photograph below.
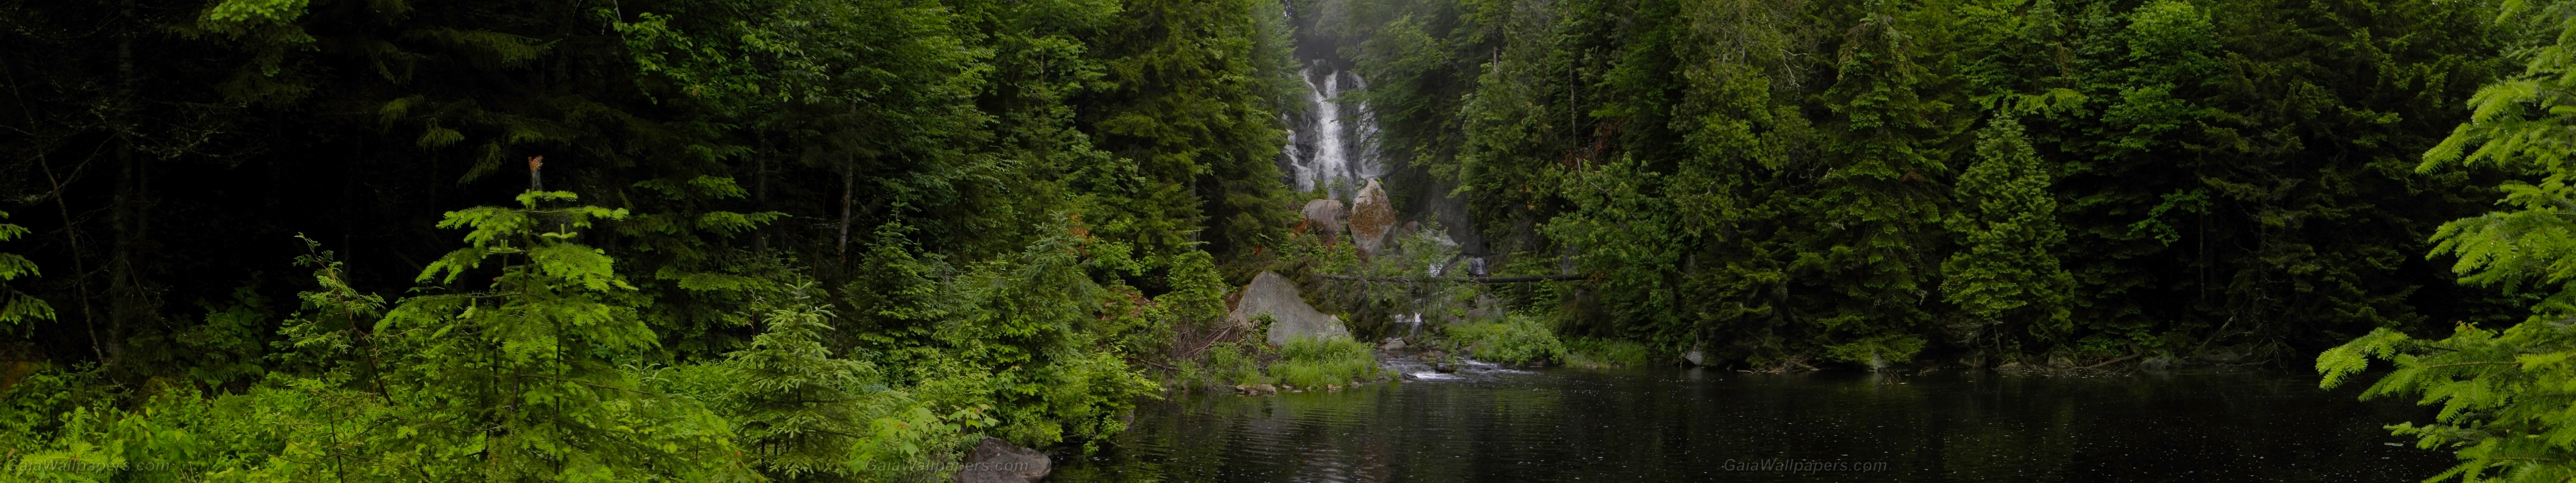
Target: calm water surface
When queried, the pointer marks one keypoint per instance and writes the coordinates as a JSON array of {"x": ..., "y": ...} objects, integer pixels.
[{"x": 1703, "y": 425}]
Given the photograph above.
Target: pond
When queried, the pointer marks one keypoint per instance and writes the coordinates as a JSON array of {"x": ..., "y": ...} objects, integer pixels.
[{"x": 1666, "y": 424}]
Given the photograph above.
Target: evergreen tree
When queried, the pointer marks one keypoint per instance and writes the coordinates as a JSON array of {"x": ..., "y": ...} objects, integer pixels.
[
  {"x": 526, "y": 370},
  {"x": 2504, "y": 393},
  {"x": 1878, "y": 195},
  {"x": 801, "y": 421},
  {"x": 2006, "y": 276}
]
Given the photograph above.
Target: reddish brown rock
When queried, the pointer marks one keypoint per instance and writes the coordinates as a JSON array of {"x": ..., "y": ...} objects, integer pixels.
[{"x": 1372, "y": 219}]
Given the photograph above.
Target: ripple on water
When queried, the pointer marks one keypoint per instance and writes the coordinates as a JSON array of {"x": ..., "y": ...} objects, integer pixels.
[{"x": 1667, "y": 425}]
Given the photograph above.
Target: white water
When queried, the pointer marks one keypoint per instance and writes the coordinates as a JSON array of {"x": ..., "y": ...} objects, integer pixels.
[{"x": 1330, "y": 149}]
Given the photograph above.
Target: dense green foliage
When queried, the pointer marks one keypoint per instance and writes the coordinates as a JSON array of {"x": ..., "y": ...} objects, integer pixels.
[
  {"x": 785, "y": 240},
  {"x": 1980, "y": 181},
  {"x": 1311, "y": 363},
  {"x": 830, "y": 240},
  {"x": 2504, "y": 394},
  {"x": 1518, "y": 339}
]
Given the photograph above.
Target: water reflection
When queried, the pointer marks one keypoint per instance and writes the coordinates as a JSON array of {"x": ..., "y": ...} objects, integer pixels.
[{"x": 1672, "y": 425}]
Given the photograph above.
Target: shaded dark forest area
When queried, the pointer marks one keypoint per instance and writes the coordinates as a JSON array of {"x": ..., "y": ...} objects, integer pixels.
[{"x": 361, "y": 240}]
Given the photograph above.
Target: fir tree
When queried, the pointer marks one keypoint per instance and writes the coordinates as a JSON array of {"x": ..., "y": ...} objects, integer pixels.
[{"x": 2006, "y": 273}]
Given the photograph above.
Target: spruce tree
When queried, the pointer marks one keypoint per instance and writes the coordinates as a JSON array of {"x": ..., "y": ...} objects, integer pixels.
[
  {"x": 2006, "y": 272},
  {"x": 800, "y": 421},
  {"x": 1877, "y": 196},
  {"x": 527, "y": 368}
]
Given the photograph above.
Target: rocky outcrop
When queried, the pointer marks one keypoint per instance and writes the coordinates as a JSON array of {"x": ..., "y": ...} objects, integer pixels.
[
  {"x": 1291, "y": 317},
  {"x": 1326, "y": 217},
  {"x": 1372, "y": 219},
  {"x": 997, "y": 461}
]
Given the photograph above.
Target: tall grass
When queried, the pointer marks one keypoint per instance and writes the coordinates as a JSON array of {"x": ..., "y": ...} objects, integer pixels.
[
  {"x": 1517, "y": 339},
  {"x": 1323, "y": 361}
]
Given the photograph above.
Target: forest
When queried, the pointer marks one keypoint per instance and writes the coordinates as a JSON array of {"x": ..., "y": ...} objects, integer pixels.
[{"x": 843, "y": 240}]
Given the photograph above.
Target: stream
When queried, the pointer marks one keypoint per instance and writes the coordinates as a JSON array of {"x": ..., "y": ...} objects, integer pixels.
[{"x": 1668, "y": 424}]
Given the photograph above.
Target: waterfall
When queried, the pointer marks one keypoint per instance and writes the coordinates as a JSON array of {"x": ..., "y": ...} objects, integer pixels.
[{"x": 1335, "y": 146}]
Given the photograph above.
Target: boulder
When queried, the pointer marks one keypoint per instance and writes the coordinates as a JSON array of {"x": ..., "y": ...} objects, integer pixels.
[
  {"x": 1372, "y": 219},
  {"x": 1291, "y": 318},
  {"x": 1326, "y": 217},
  {"x": 1392, "y": 344},
  {"x": 2158, "y": 363},
  {"x": 1696, "y": 357},
  {"x": 997, "y": 461}
]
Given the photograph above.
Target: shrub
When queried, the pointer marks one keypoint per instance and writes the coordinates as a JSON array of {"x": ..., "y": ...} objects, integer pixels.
[
  {"x": 1234, "y": 363},
  {"x": 1517, "y": 339},
  {"x": 1878, "y": 352},
  {"x": 1323, "y": 361}
]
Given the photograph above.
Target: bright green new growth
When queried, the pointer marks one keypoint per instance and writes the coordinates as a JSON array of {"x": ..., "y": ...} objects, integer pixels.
[
  {"x": 2508, "y": 397},
  {"x": 802, "y": 420},
  {"x": 1319, "y": 362},
  {"x": 1517, "y": 339},
  {"x": 20, "y": 306}
]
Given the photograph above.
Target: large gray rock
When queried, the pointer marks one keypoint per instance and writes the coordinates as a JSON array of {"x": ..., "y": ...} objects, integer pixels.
[
  {"x": 1275, "y": 295},
  {"x": 1372, "y": 219},
  {"x": 997, "y": 461},
  {"x": 1326, "y": 217}
]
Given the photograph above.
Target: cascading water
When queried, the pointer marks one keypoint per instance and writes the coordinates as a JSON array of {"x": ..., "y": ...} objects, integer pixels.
[{"x": 1334, "y": 145}]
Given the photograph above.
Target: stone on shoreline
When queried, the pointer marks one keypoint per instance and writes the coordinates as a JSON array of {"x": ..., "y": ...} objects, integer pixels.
[
  {"x": 997, "y": 461},
  {"x": 1291, "y": 317}
]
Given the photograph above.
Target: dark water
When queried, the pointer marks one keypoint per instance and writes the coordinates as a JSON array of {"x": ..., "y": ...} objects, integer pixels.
[{"x": 1684, "y": 425}]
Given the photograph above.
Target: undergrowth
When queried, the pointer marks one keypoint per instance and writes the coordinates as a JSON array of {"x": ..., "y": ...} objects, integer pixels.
[
  {"x": 1590, "y": 352},
  {"x": 1517, "y": 339},
  {"x": 1323, "y": 361}
]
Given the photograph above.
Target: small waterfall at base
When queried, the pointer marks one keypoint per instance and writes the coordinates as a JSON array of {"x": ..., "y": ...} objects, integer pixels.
[{"x": 1329, "y": 148}]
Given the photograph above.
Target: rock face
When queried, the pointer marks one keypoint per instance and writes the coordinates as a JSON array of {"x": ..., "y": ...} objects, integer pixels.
[
  {"x": 997, "y": 461},
  {"x": 1372, "y": 219},
  {"x": 1275, "y": 295},
  {"x": 1326, "y": 217}
]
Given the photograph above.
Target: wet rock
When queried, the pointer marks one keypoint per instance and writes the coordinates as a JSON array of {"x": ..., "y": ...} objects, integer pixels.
[
  {"x": 2158, "y": 363},
  {"x": 2221, "y": 355},
  {"x": 1326, "y": 217},
  {"x": 1392, "y": 344},
  {"x": 1488, "y": 307},
  {"x": 1372, "y": 219},
  {"x": 1292, "y": 318},
  {"x": 1695, "y": 357},
  {"x": 997, "y": 461}
]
